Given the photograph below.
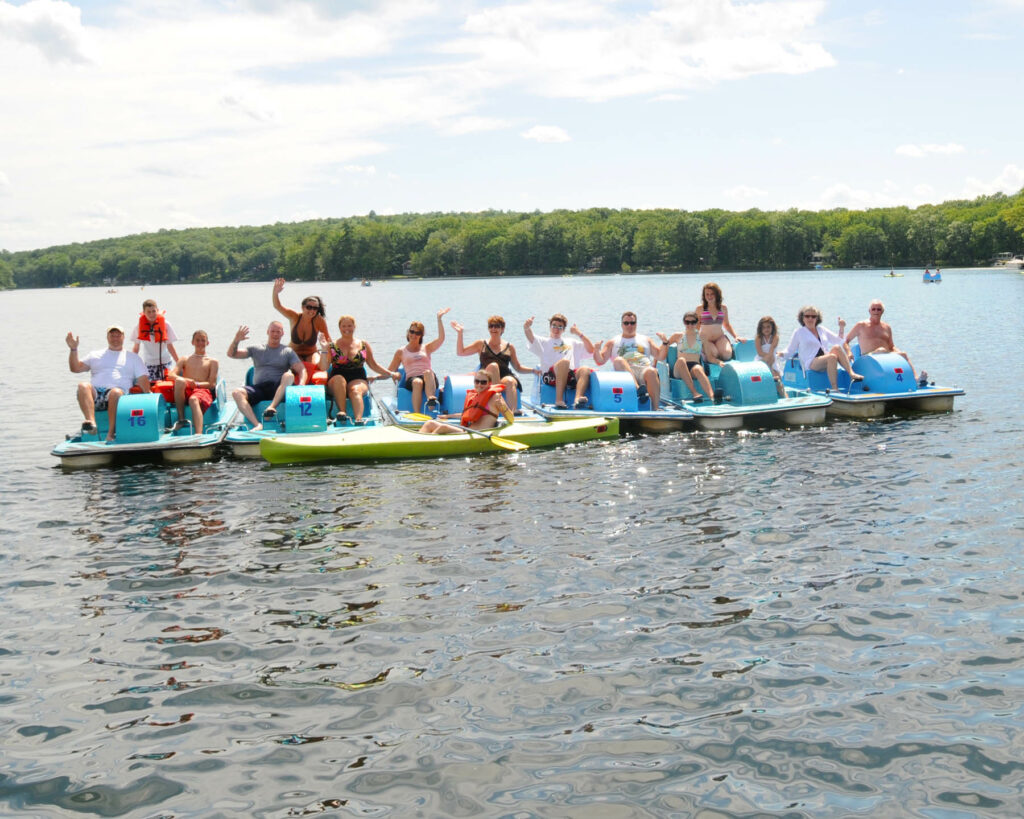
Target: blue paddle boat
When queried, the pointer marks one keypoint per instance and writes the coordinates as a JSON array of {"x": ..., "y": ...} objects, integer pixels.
[
  {"x": 888, "y": 385},
  {"x": 305, "y": 409},
  {"x": 929, "y": 277},
  {"x": 744, "y": 392},
  {"x": 612, "y": 394},
  {"x": 144, "y": 429}
]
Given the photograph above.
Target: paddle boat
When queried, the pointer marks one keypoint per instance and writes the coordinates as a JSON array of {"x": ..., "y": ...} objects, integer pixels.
[
  {"x": 744, "y": 393},
  {"x": 305, "y": 410},
  {"x": 930, "y": 277},
  {"x": 611, "y": 394},
  {"x": 888, "y": 385},
  {"x": 392, "y": 442},
  {"x": 145, "y": 429}
]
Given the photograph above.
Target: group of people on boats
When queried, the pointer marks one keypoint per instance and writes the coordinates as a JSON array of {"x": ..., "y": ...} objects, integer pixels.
[{"x": 706, "y": 339}]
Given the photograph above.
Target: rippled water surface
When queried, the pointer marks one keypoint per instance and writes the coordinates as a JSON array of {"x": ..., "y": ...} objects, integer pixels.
[{"x": 805, "y": 622}]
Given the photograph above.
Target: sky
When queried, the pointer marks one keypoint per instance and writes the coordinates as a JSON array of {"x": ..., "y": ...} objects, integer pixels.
[{"x": 130, "y": 116}]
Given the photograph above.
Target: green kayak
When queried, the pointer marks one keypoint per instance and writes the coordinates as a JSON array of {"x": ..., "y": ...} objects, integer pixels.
[{"x": 373, "y": 443}]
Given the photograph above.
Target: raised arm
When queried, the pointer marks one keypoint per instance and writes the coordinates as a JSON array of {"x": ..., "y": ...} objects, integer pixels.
[
  {"x": 588, "y": 345},
  {"x": 240, "y": 335},
  {"x": 276, "y": 298},
  {"x": 435, "y": 345},
  {"x": 460, "y": 347},
  {"x": 528, "y": 330},
  {"x": 602, "y": 351},
  {"x": 74, "y": 364}
]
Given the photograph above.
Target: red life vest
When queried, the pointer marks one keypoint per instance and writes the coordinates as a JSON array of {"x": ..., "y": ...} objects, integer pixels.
[
  {"x": 155, "y": 331},
  {"x": 476, "y": 403}
]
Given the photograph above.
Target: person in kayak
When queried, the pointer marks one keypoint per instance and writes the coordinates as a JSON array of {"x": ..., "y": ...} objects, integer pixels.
[{"x": 481, "y": 410}]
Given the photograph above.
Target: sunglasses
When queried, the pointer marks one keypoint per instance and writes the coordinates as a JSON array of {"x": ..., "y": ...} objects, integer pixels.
[
  {"x": 809, "y": 315},
  {"x": 481, "y": 381},
  {"x": 557, "y": 326},
  {"x": 877, "y": 310},
  {"x": 629, "y": 322},
  {"x": 495, "y": 326},
  {"x": 311, "y": 307},
  {"x": 689, "y": 321},
  {"x": 415, "y": 332}
]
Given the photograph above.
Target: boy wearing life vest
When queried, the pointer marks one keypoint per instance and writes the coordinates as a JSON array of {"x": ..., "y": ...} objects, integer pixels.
[
  {"x": 481, "y": 410},
  {"x": 195, "y": 381},
  {"x": 155, "y": 337}
]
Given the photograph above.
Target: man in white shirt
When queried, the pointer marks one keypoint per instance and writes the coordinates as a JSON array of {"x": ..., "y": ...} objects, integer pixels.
[
  {"x": 560, "y": 359},
  {"x": 636, "y": 354},
  {"x": 114, "y": 372}
]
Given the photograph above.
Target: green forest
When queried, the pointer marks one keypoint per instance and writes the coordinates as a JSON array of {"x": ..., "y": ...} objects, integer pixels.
[{"x": 598, "y": 240}]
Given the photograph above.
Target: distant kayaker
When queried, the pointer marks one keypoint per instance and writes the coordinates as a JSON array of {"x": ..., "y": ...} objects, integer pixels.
[
  {"x": 561, "y": 359},
  {"x": 635, "y": 354},
  {"x": 154, "y": 339},
  {"x": 875, "y": 336},
  {"x": 496, "y": 356},
  {"x": 414, "y": 358},
  {"x": 195, "y": 382},
  {"x": 306, "y": 327},
  {"x": 714, "y": 324},
  {"x": 277, "y": 367},
  {"x": 114, "y": 371},
  {"x": 818, "y": 347},
  {"x": 481, "y": 410}
]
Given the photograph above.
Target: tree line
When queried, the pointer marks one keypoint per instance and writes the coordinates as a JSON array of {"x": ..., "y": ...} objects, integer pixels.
[{"x": 599, "y": 240}]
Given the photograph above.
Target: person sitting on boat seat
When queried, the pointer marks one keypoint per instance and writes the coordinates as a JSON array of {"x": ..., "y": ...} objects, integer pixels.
[
  {"x": 634, "y": 354},
  {"x": 414, "y": 358},
  {"x": 818, "y": 347},
  {"x": 306, "y": 327},
  {"x": 688, "y": 366},
  {"x": 497, "y": 356},
  {"x": 113, "y": 372},
  {"x": 875, "y": 336},
  {"x": 560, "y": 359},
  {"x": 481, "y": 410},
  {"x": 154, "y": 339},
  {"x": 276, "y": 366},
  {"x": 195, "y": 382}
]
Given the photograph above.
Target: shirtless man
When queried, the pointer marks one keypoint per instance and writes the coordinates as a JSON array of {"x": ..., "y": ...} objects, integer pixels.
[
  {"x": 195, "y": 381},
  {"x": 482, "y": 409},
  {"x": 634, "y": 354},
  {"x": 875, "y": 336}
]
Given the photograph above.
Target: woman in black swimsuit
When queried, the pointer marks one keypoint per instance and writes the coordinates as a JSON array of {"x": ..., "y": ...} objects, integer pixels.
[
  {"x": 498, "y": 357},
  {"x": 306, "y": 326},
  {"x": 348, "y": 358}
]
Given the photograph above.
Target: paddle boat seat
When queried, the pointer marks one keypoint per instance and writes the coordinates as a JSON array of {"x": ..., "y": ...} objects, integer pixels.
[{"x": 304, "y": 409}]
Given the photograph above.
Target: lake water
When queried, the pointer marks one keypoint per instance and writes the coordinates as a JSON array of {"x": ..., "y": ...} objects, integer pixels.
[{"x": 810, "y": 622}]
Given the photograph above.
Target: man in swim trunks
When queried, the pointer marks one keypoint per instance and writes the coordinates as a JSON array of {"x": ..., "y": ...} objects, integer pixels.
[
  {"x": 113, "y": 372},
  {"x": 195, "y": 381},
  {"x": 560, "y": 359},
  {"x": 634, "y": 354},
  {"x": 875, "y": 336},
  {"x": 277, "y": 367}
]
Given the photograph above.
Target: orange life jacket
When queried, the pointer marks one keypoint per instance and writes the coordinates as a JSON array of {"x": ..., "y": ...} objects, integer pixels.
[
  {"x": 155, "y": 331},
  {"x": 476, "y": 403}
]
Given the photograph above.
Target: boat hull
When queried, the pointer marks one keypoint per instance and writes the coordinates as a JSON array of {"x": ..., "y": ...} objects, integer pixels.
[
  {"x": 145, "y": 433},
  {"x": 397, "y": 442}
]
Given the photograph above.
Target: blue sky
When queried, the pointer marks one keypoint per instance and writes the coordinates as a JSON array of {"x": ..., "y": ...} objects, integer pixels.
[{"x": 123, "y": 117}]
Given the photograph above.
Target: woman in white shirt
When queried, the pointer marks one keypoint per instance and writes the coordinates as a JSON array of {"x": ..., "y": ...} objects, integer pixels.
[{"x": 818, "y": 347}]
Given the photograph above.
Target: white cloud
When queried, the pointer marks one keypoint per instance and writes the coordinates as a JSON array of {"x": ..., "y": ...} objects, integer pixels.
[
  {"x": 745, "y": 193},
  {"x": 365, "y": 170},
  {"x": 920, "y": 151},
  {"x": 592, "y": 50},
  {"x": 473, "y": 125},
  {"x": 1009, "y": 181},
  {"x": 51, "y": 26},
  {"x": 546, "y": 133}
]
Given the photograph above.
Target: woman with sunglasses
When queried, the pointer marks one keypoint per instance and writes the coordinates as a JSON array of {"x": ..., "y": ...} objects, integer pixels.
[
  {"x": 497, "y": 356},
  {"x": 481, "y": 410},
  {"x": 810, "y": 341},
  {"x": 414, "y": 358},
  {"x": 714, "y": 324},
  {"x": 306, "y": 327},
  {"x": 688, "y": 349},
  {"x": 348, "y": 358}
]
